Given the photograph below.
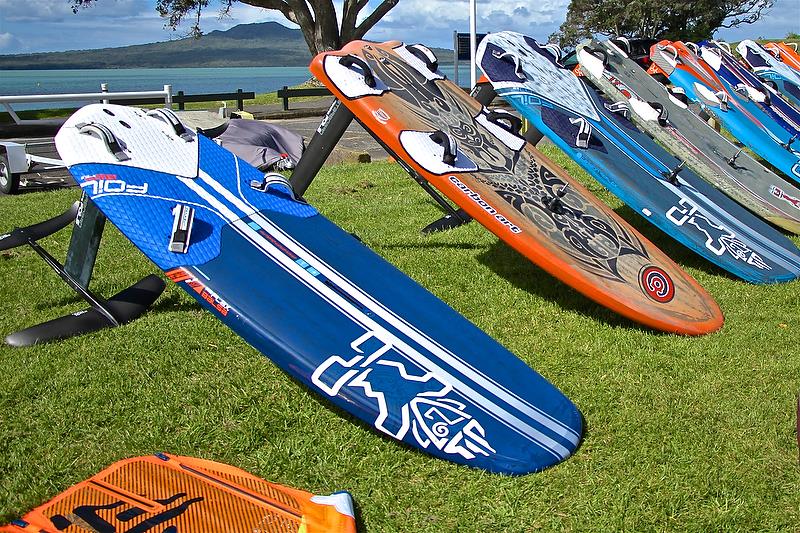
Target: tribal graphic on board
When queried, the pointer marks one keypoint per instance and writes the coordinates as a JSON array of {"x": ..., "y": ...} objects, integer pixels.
[{"x": 581, "y": 230}]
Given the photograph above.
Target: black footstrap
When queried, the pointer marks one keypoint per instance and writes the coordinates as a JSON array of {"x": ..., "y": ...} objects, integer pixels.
[
  {"x": 171, "y": 119},
  {"x": 504, "y": 119},
  {"x": 107, "y": 136},
  {"x": 424, "y": 54},
  {"x": 662, "y": 112},
  {"x": 584, "y": 132},
  {"x": 349, "y": 61},
  {"x": 620, "y": 108},
  {"x": 449, "y": 144}
]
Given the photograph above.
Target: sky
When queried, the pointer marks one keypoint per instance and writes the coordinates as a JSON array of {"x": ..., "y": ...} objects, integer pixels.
[{"x": 50, "y": 25}]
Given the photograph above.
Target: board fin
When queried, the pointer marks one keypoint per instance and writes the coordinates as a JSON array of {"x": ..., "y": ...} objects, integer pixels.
[
  {"x": 125, "y": 306},
  {"x": 121, "y": 308},
  {"x": 457, "y": 218},
  {"x": 19, "y": 236}
]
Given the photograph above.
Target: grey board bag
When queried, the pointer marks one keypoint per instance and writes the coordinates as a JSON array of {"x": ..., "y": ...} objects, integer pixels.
[{"x": 263, "y": 145}]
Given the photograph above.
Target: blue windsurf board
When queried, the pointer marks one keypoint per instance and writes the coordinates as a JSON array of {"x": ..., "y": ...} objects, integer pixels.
[
  {"x": 599, "y": 137},
  {"x": 771, "y": 70},
  {"x": 701, "y": 84},
  {"x": 312, "y": 298},
  {"x": 782, "y": 119}
]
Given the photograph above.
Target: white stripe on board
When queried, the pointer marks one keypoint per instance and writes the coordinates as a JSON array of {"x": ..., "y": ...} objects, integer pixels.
[
  {"x": 392, "y": 318},
  {"x": 359, "y": 317}
]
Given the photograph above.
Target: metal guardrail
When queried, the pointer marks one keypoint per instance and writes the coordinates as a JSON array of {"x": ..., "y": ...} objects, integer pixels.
[
  {"x": 180, "y": 99},
  {"x": 103, "y": 96},
  {"x": 123, "y": 98}
]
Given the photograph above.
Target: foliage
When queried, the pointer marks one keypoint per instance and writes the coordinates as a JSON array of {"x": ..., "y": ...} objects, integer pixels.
[
  {"x": 656, "y": 19},
  {"x": 317, "y": 18}
]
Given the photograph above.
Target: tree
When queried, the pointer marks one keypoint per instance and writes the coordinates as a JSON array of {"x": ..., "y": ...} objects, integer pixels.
[
  {"x": 683, "y": 20},
  {"x": 316, "y": 18}
]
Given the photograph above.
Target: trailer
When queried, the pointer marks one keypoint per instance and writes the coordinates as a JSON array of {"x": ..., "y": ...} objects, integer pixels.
[{"x": 20, "y": 167}]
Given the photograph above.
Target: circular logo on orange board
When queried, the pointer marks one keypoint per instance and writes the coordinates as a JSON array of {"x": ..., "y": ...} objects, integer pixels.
[{"x": 657, "y": 284}]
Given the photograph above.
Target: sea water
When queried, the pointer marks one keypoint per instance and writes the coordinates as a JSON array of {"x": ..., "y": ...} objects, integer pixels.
[{"x": 188, "y": 80}]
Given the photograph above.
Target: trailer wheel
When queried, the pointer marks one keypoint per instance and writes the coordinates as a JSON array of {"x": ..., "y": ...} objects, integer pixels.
[{"x": 9, "y": 182}]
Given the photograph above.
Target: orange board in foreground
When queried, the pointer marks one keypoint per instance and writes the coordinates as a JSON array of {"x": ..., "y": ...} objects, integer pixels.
[
  {"x": 475, "y": 157},
  {"x": 170, "y": 494}
]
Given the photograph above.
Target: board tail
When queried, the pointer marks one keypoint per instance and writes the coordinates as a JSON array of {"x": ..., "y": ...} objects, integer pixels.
[{"x": 182, "y": 494}]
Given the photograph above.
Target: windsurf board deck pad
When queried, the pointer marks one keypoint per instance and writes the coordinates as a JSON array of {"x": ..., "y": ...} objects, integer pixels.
[
  {"x": 312, "y": 298},
  {"x": 783, "y": 118},
  {"x": 477, "y": 159},
  {"x": 174, "y": 494},
  {"x": 669, "y": 120},
  {"x": 700, "y": 83},
  {"x": 786, "y": 53},
  {"x": 772, "y": 70},
  {"x": 631, "y": 165}
]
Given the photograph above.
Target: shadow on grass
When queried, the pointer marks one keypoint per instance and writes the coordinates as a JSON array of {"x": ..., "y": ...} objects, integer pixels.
[
  {"x": 175, "y": 302},
  {"x": 171, "y": 303},
  {"x": 431, "y": 246},
  {"x": 523, "y": 274}
]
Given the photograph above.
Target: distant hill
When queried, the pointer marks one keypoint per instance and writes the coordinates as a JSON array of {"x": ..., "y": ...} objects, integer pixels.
[{"x": 264, "y": 44}]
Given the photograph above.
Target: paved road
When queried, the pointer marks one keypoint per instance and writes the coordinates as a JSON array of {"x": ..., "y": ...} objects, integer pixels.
[{"x": 355, "y": 139}]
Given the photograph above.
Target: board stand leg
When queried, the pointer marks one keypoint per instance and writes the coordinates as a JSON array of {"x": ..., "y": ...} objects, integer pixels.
[
  {"x": 123, "y": 307},
  {"x": 453, "y": 217},
  {"x": 329, "y": 133}
]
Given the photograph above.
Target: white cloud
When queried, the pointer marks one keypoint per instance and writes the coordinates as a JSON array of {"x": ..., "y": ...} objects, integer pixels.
[
  {"x": 44, "y": 11},
  {"x": 8, "y": 43},
  {"x": 433, "y": 21},
  {"x": 784, "y": 17},
  {"x": 45, "y": 25}
]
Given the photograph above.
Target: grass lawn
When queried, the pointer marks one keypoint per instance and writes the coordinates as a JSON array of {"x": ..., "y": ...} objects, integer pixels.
[{"x": 689, "y": 434}]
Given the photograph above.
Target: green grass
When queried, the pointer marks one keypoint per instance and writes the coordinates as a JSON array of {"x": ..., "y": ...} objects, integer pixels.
[{"x": 685, "y": 434}]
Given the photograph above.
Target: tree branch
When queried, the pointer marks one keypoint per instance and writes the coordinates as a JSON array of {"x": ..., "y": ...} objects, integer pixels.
[
  {"x": 350, "y": 12},
  {"x": 278, "y": 5},
  {"x": 373, "y": 18},
  {"x": 316, "y": 18}
]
